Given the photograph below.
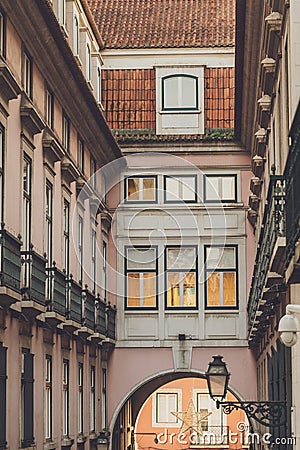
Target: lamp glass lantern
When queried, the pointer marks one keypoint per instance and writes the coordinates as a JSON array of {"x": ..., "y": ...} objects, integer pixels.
[{"x": 217, "y": 377}]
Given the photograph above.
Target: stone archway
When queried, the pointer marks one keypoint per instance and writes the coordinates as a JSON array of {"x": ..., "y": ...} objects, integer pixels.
[{"x": 125, "y": 416}]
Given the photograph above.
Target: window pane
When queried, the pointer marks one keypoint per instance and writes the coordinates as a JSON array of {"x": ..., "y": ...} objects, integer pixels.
[
  {"x": 213, "y": 289},
  {"x": 141, "y": 289},
  {"x": 171, "y": 93},
  {"x": 141, "y": 258},
  {"x": 172, "y": 189},
  {"x": 188, "y": 188},
  {"x": 228, "y": 188},
  {"x": 212, "y": 188},
  {"x": 189, "y": 95},
  {"x": 229, "y": 289},
  {"x": 181, "y": 289},
  {"x": 181, "y": 258},
  {"x": 221, "y": 258},
  {"x": 148, "y": 189},
  {"x": 166, "y": 404},
  {"x": 133, "y": 188}
]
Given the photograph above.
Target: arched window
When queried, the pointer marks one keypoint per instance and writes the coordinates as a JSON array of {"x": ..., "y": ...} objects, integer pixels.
[
  {"x": 180, "y": 92},
  {"x": 76, "y": 36},
  {"x": 88, "y": 62}
]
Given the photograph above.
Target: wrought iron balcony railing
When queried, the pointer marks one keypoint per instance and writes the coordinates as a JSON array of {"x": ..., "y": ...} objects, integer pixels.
[
  {"x": 55, "y": 290},
  {"x": 273, "y": 226},
  {"x": 292, "y": 175},
  {"x": 10, "y": 266},
  {"x": 33, "y": 277}
]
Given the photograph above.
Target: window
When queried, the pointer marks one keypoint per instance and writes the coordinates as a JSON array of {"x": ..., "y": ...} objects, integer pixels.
[
  {"x": 26, "y": 231},
  {"x": 88, "y": 62},
  {"x": 180, "y": 188},
  {"x": 181, "y": 277},
  {"x": 27, "y": 74},
  {"x": 48, "y": 397},
  {"x": 65, "y": 405},
  {"x": 2, "y": 34},
  {"x": 141, "y": 189},
  {"x": 104, "y": 269},
  {"x": 179, "y": 92},
  {"x": 93, "y": 399},
  {"x": 80, "y": 155},
  {"x": 165, "y": 403},
  {"x": 141, "y": 277},
  {"x": 49, "y": 108},
  {"x": 202, "y": 407},
  {"x": 62, "y": 12},
  {"x": 221, "y": 277},
  {"x": 66, "y": 133},
  {"x": 93, "y": 261},
  {"x": 3, "y": 375},
  {"x": 76, "y": 35},
  {"x": 27, "y": 399},
  {"x": 93, "y": 173},
  {"x": 221, "y": 188},
  {"x": 80, "y": 398},
  {"x": 99, "y": 85},
  {"x": 2, "y": 147},
  {"x": 215, "y": 418},
  {"x": 66, "y": 237},
  {"x": 49, "y": 219},
  {"x": 104, "y": 399},
  {"x": 80, "y": 248}
]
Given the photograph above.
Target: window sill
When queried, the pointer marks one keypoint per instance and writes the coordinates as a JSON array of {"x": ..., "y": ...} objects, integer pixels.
[
  {"x": 180, "y": 111},
  {"x": 50, "y": 445},
  {"x": 67, "y": 442}
]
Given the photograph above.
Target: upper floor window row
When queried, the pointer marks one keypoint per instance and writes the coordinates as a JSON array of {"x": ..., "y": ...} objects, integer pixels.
[
  {"x": 181, "y": 188},
  {"x": 145, "y": 283}
]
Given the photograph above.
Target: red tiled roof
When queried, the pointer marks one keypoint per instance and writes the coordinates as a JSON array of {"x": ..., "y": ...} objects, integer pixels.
[
  {"x": 129, "y": 98},
  {"x": 165, "y": 23}
]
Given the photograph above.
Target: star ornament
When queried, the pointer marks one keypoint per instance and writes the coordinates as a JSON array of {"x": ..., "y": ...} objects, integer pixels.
[{"x": 191, "y": 419}]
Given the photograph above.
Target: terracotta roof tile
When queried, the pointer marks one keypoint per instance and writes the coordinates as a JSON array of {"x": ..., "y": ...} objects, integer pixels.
[{"x": 165, "y": 23}]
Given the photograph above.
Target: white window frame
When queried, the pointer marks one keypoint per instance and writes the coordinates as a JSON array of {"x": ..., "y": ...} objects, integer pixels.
[
  {"x": 220, "y": 180},
  {"x": 27, "y": 73},
  {"x": 180, "y": 120},
  {"x": 180, "y": 179},
  {"x": 177, "y": 422},
  {"x": 66, "y": 400},
  {"x": 66, "y": 235},
  {"x": 92, "y": 398},
  {"x": 80, "y": 398}
]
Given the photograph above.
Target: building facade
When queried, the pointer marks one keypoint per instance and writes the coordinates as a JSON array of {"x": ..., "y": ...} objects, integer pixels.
[
  {"x": 183, "y": 245},
  {"x": 270, "y": 130},
  {"x": 56, "y": 325}
]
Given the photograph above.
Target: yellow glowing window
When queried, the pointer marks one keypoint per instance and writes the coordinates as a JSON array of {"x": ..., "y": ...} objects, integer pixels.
[{"x": 141, "y": 189}]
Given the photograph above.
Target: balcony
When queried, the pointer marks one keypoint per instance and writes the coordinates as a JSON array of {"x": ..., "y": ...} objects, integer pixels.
[
  {"x": 10, "y": 269},
  {"x": 73, "y": 305},
  {"x": 55, "y": 296},
  {"x": 270, "y": 256},
  {"x": 292, "y": 174},
  {"x": 33, "y": 278},
  {"x": 88, "y": 308},
  {"x": 111, "y": 322}
]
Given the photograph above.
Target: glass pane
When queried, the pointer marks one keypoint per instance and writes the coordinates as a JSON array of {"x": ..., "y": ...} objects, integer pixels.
[
  {"x": 133, "y": 289},
  {"x": 188, "y": 188},
  {"x": 229, "y": 289},
  {"x": 170, "y": 90},
  {"x": 188, "y": 95},
  {"x": 212, "y": 188},
  {"x": 133, "y": 189},
  {"x": 228, "y": 188},
  {"x": 172, "y": 189},
  {"x": 221, "y": 258},
  {"x": 141, "y": 289},
  {"x": 141, "y": 258},
  {"x": 181, "y": 258},
  {"x": 213, "y": 289},
  {"x": 181, "y": 289},
  {"x": 149, "y": 189},
  {"x": 149, "y": 289}
]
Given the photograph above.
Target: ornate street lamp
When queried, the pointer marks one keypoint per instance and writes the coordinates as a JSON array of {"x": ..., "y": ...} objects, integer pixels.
[
  {"x": 217, "y": 377},
  {"x": 266, "y": 413}
]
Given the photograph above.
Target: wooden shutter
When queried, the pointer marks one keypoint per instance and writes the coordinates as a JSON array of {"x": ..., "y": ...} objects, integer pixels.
[
  {"x": 3, "y": 351},
  {"x": 28, "y": 399}
]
